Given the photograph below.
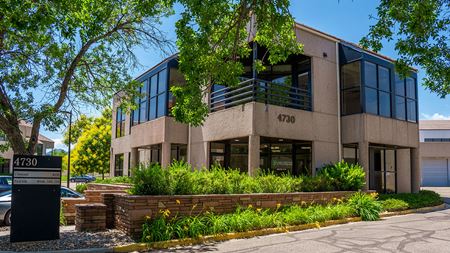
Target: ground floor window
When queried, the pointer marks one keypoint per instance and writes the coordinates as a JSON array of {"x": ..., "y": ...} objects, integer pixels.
[
  {"x": 284, "y": 156},
  {"x": 382, "y": 169},
  {"x": 118, "y": 165},
  {"x": 4, "y": 166},
  {"x": 230, "y": 154},
  {"x": 150, "y": 154},
  {"x": 350, "y": 153},
  {"x": 178, "y": 152}
]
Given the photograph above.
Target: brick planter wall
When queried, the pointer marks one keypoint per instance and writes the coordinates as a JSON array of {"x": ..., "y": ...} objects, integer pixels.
[
  {"x": 95, "y": 186},
  {"x": 130, "y": 210},
  {"x": 90, "y": 217}
]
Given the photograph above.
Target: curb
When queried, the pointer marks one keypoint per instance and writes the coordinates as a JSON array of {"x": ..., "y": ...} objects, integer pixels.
[
  {"x": 87, "y": 250},
  {"x": 261, "y": 232}
]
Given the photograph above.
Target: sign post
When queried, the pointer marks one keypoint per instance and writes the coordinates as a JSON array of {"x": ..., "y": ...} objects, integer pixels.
[{"x": 36, "y": 194}]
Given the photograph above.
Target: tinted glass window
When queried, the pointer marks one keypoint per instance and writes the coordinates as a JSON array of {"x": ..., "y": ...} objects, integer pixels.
[
  {"x": 385, "y": 104},
  {"x": 153, "y": 85},
  {"x": 161, "y": 105},
  {"x": 383, "y": 79},
  {"x": 411, "y": 107},
  {"x": 152, "y": 114},
  {"x": 371, "y": 101},
  {"x": 143, "y": 112},
  {"x": 410, "y": 88},
  {"x": 351, "y": 101},
  {"x": 399, "y": 85},
  {"x": 162, "y": 83},
  {"x": 400, "y": 108},
  {"x": 370, "y": 74},
  {"x": 351, "y": 75}
]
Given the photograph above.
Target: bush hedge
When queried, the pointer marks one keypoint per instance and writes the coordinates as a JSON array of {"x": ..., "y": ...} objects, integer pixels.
[
  {"x": 422, "y": 199},
  {"x": 181, "y": 179}
]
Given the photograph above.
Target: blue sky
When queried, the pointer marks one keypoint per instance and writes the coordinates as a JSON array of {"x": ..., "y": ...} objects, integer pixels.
[{"x": 346, "y": 19}]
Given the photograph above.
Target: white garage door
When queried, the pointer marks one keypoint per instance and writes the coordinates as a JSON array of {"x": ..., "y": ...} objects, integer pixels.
[{"x": 434, "y": 172}]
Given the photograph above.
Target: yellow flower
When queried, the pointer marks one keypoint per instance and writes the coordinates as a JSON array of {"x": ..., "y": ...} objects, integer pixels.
[
  {"x": 250, "y": 206},
  {"x": 258, "y": 210},
  {"x": 374, "y": 195},
  {"x": 147, "y": 217},
  {"x": 317, "y": 224},
  {"x": 278, "y": 205},
  {"x": 303, "y": 203},
  {"x": 334, "y": 199},
  {"x": 178, "y": 201}
]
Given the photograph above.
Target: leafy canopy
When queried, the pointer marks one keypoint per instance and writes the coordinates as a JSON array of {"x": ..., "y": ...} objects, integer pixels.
[
  {"x": 422, "y": 32},
  {"x": 212, "y": 38}
]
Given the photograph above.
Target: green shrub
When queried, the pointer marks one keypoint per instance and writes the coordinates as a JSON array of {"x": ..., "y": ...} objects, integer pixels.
[
  {"x": 392, "y": 205},
  {"x": 366, "y": 206},
  {"x": 62, "y": 218},
  {"x": 114, "y": 180},
  {"x": 163, "y": 227},
  {"x": 343, "y": 176},
  {"x": 150, "y": 180},
  {"x": 81, "y": 188},
  {"x": 415, "y": 200}
]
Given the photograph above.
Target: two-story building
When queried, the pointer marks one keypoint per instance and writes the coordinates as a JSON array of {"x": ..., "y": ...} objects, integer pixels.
[
  {"x": 44, "y": 144},
  {"x": 335, "y": 101}
]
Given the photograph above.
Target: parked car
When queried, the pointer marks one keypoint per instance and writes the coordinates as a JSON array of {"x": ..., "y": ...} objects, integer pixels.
[
  {"x": 82, "y": 179},
  {"x": 5, "y": 203},
  {"x": 5, "y": 183}
]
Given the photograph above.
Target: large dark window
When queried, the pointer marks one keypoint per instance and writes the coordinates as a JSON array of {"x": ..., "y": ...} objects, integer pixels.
[
  {"x": 405, "y": 98},
  {"x": 351, "y": 88},
  {"x": 4, "y": 166},
  {"x": 178, "y": 152},
  {"x": 377, "y": 84},
  {"x": 120, "y": 122},
  {"x": 230, "y": 154},
  {"x": 118, "y": 165}
]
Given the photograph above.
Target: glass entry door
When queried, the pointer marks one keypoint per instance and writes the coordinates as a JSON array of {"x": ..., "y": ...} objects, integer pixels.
[{"x": 382, "y": 169}]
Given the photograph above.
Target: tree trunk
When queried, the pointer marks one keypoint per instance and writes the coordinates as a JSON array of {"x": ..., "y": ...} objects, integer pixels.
[{"x": 15, "y": 139}]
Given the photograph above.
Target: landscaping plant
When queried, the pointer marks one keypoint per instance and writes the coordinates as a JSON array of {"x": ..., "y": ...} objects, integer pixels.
[
  {"x": 343, "y": 176},
  {"x": 81, "y": 188},
  {"x": 415, "y": 200},
  {"x": 366, "y": 206}
]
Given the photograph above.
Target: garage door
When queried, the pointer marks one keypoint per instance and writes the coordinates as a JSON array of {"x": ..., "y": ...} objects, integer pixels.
[{"x": 434, "y": 172}]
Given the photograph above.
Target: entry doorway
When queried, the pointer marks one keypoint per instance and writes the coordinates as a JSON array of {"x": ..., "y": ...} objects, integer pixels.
[{"x": 383, "y": 169}]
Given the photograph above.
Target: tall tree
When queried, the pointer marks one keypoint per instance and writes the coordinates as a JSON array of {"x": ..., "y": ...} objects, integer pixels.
[
  {"x": 59, "y": 54},
  {"x": 421, "y": 30},
  {"x": 213, "y": 38}
]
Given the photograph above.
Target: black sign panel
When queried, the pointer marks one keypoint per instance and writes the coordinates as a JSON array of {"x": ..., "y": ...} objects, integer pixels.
[{"x": 36, "y": 193}]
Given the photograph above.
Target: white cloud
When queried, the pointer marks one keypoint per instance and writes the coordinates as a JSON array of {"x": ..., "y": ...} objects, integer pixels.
[
  {"x": 59, "y": 143},
  {"x": 435, "y": 116}
]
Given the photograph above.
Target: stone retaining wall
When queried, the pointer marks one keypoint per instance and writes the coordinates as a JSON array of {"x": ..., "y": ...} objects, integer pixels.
[
  {"x": 90, "y": 217},
  {"x": 130, "y": 211}
]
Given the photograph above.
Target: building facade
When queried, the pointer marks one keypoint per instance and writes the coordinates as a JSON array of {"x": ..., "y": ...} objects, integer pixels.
[
  {"x": 43, "y": 145},
  {"x": 335, "y": 101},
  {"x": 435, "y": 152}
]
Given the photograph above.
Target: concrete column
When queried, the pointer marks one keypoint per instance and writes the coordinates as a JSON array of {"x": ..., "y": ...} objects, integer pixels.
[
  {"x": 415, "y": 170},
  {"x": 403, "y": 171},
  {"x": 253, "y": 154},
  {"x": 134, "y": 159},
  {"x": 363, "y": 160},
  {"x": 126, "y": 168},
  {"x": 165, "y": 154}
]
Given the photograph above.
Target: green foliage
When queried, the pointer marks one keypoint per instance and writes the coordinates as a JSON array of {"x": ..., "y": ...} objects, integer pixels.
[
  {"x": 181, "y": 179},
  {"x": 62, "y": 218},
  {"x": 92, "y": 150},
  {"x": 343, "y": 176},
  {"x": 114, "y": 180},
  {"x": 421, "y": 30},
  {"x": 366, "y": 206},
  {"x": 74, "y": 53},
  {"x": 166, "y": 227},
  {"x": 213, "y": 38},
  {"x": 81, "y": 188},
  {"x": 392, "y": 205},
  {"x": 415, "y": 200}
]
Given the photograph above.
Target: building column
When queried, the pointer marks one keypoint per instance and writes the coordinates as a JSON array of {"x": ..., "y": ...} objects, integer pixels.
[
  {"x": 134, "y": 158},
  {"x": 253, "y": 154},
  {"x": 364, "y": 161},
  {"x": 415, "y": 170},
  {"x": 403, "y": 170},
  {"x": 165, "y": 154}
]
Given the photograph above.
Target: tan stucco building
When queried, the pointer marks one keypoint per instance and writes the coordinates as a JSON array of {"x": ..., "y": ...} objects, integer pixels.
[
  {"x": 44, "y": 144},
  {"x": 335, "y": 101},
  {"x": 435, "y": 152}
]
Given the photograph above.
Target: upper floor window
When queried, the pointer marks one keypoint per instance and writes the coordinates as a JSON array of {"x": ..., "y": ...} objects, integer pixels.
[
  {"x": 405, "y": 98},
  {"x": 120, "y": 122},
  {"x": 351, "y": 88},
  {"x": 377, "y": 89},
  {"x": 436, "y": 139}
]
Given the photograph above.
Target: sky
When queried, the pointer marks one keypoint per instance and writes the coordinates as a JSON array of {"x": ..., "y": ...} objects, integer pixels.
[{"x": 346, "y": 19}]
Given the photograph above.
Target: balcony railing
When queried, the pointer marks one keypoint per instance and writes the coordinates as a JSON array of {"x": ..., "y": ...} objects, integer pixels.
[{"x": 261, "y": 91}]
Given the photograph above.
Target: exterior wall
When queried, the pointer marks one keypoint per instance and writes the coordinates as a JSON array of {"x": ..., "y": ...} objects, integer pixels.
[{"x": 130, "y": 210}]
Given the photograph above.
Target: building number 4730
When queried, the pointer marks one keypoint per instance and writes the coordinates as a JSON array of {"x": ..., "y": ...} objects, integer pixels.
[
  {"x": 25, "y": 161},
  {"x": 286, "y": 118}
]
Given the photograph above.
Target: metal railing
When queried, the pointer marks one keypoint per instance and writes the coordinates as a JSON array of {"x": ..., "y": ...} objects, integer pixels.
[{"x": 261, "y": 91}]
